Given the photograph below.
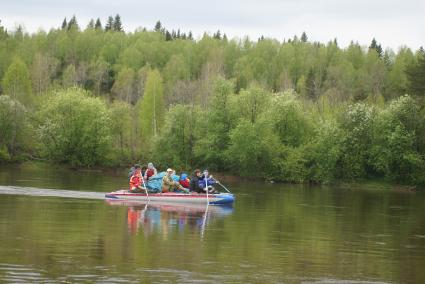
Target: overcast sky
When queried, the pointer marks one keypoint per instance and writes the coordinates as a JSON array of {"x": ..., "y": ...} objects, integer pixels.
[{"x": 393, "y": 23}]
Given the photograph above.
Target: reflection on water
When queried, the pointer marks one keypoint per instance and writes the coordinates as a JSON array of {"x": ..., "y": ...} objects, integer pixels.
[{"x": 164, "y": 218}]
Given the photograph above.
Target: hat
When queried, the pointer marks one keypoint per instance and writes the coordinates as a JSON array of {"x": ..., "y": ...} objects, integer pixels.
[
  {"x": 169, "y": 170},
  {"x": 183, "y": 176}
]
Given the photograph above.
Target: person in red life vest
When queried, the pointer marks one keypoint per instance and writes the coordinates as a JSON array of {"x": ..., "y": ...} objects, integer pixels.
[
  {"x": 184, "y": 181},
  {"x": 136, "y": 180},
  {"x": 150, "y": 172}
]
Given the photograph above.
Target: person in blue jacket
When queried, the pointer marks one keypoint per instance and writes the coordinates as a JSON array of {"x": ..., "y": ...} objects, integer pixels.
[{"x": 210, "y": 182}]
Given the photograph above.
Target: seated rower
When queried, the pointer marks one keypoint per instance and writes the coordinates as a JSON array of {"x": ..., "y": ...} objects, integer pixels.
[
  {"x": 150, "y": 172},
  {"x": 194, "y": 182},
  {"x": 209, "y": 180},
  {"x": 184, "y": 181},
  {"x": 170, "y": 185},
  {"x": 136, "y": 180}
]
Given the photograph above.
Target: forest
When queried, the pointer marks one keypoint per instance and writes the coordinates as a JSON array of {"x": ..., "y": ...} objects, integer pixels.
[{"x": 285, "y": 109}]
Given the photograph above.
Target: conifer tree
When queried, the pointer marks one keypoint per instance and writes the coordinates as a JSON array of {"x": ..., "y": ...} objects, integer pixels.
[
  {"x": 64, "y": 24},
  {"x": 304, "y": 37},
  {"x": 416, "y": 76},
  {"x": 98, "y": 25},
  {"x": 109, "y": 24},
  {"x": 377, "y": 47},
  {"x": 117, "y": 26},
  {"x": 72, "y": 24},
  {"x": 158, "y": 26},
  {"x": 190, "y": 36},
  {"x": 168, "y": 36},
  {"x": 90, "y": 25}
]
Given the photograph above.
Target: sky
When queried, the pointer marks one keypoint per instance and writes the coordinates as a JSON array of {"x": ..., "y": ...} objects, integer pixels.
[{"x": 392, "y": 23}]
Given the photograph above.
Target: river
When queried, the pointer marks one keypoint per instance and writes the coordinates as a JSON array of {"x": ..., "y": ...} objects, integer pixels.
[{"x": 55, "y": 226}]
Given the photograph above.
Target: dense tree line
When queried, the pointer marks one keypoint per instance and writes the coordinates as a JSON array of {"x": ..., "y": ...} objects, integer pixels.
[{"x": 289, "y": 110}]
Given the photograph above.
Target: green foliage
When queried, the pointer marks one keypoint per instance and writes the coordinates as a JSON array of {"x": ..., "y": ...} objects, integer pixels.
[
  {"x": 293, "y": 111},
  {"x": 174, "y": 145},
  {"x": 152, "y": 106},
  {"x": 290, "y": 122},
  {"x": 75, "y": 128},
  {"x": 121, "y": 117},
  {"x": 398, "y": 136},
  {"x": 325, "y": 151},
  {"x": 357, "y": 125},
  {"x": 213, "y": 134},
  {"x": 252, "y": 148},
  {"x": 416, "y": 76},
  {"x": 13, "y": 127},
  {"x": 17, "y": 83}
]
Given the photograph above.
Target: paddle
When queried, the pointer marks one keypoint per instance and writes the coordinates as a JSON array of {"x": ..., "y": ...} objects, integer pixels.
[
  {"x": 146, "y": 189},
  {"x": 206, "y": 188},
  {"x": 224, "y": 187}
]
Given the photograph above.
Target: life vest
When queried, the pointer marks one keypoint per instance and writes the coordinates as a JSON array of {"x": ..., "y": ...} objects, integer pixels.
[
  {"x": 185, "y": 183},
  {"x": 135, "y": 181},
  {"x": 149, "y": 173}
]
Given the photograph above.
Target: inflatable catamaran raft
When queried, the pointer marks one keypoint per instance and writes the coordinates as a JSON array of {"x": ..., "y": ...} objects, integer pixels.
[
  {"x": 153, "y": 193},
  {"x": 220, "y": 198}
]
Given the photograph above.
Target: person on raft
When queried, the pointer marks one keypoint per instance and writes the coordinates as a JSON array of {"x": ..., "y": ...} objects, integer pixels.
[
  {"x": 184, "y": 181},
  {"x": 136, "y": 180},
  {"x": 194, "y": 182},
  {"x": 150, "y": 172},
  {"x": 210, "y": 181},
  {"x": 197, "y": 182},
  {"x": 170, "y": 185}
]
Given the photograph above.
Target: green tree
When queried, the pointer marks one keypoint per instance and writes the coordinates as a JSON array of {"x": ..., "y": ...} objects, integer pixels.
[
  {"x": 123, "y": 88},
  {"x": 158, "y": 27},
  {"x": 252, "y": 103},
  {"x": 13, "y": 126},
  {"x": 16, "y": 82},
  {"x": 42, "y": 72},
  {"x": 174, "y": 146},
  {"x": 252, "y": 147},
  {"x": 122, "y": 131},
  {"x": 357, "y": 124},
  {"x": 117, "y": 25},
  {"x": 64, "y": 24},
  {"x": 72, "y": 24},
  {"x": 213, "y": 131},
  {"x": 98, "y": 24},
  {"x": 69, "y": 77},
  {"x": 416, "y": 76},
  {"x": 377, "y": 47},
  {"x": 75, "y": 128},
  {"x": 304, "y": 37},
  {"x": 90, "y": 25},
  {"x": 152, "y": 106},
  {"x": 109, "y": 24}
]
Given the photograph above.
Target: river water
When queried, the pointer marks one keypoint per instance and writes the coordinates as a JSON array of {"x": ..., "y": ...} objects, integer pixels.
[{"x": 55, "y": 226}]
